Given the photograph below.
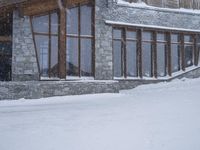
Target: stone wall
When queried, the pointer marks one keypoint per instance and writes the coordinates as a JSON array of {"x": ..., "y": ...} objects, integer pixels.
[
  {"x": 39, "y": 89},
  {"x": 24, "y": 63},
  {"x": 103, "y": 43}
]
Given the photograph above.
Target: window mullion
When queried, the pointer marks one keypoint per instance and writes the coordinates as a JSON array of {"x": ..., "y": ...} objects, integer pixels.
[
  {"x": 49, "y": 35},
  {"x": 79, "y": 40}
]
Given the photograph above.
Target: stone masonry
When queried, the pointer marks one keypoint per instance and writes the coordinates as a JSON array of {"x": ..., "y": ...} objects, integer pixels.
[{"x": 24, "y": 63}]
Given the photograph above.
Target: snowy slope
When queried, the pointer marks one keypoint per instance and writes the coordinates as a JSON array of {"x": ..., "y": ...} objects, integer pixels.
[{"x": 162, "y": 116}]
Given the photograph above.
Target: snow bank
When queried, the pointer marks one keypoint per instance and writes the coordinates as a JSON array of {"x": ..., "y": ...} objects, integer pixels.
[{"x": 162, "y": 116}]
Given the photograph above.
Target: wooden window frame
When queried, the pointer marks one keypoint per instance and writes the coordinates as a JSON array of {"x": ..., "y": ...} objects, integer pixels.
[
  {"x": 168, "y": 43},
  {"x": 62, "y": 36},
  {"x": 79, "y": 36},
  {"x": 49, "y": 35}
]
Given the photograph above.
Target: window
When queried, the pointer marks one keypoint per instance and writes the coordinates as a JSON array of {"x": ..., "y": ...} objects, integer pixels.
[
  {"x": 64, "y": 41},
  {"x": 143, "y": 52},
  {"x": 79, "y": 39},
  {"x": 5, "y": 46},
  {"x": 45, "y": 29}
]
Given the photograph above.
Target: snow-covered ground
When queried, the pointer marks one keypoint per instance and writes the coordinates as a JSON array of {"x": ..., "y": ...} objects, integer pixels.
[{"x": 163, "y": 116}]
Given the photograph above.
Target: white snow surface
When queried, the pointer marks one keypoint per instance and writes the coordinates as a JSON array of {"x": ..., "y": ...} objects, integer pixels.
[
  {"x": 144, "y": 5},
  {"x": 164, "y": 116}
]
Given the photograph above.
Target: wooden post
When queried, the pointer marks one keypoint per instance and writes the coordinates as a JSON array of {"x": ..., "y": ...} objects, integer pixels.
[{"x": 62, "y": 44}]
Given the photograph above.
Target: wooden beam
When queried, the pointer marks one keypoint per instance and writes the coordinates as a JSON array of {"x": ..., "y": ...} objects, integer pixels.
[{"x": 62, "y": 44}]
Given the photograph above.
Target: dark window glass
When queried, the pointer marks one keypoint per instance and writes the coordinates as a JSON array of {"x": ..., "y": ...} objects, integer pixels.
[
  {"x": 72, "y": 57},
  {"x": 86, "y": 20},
  {"x": 86, "y": 57},
  {"x": 5, "y": 46},
  {"x": 175, "y": 38},
  {"x": 6, "y": 24},
  {"x": 72, "y": 21},
  {"x": 117, "y": 45},
  {"x": 131, "y": 61}
]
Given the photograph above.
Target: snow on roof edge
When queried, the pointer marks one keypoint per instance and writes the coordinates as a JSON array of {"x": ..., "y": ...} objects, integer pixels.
[
  {"x": 149, "y": 26},
  {"x": 145, "y": 6}
]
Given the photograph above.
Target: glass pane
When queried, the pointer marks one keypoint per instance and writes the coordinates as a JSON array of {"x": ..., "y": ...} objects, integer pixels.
[
  {"x": 131, "y": 62},
  {"x": 175, "y": 55},
  {"x": 72, "y": 21},
  {"x": 54, "y": 23},
  {"x": 175, "y": 38},
  {"x": 188, "y": 38},
  {"x": 131, "y": 35},
  {"x": 6, "y": 24},
  {"x": 161, "y": 37},
  {"x": 72, "y": 57},
  {"x": 117, "y": 59},
  {"x": 42, "y": 44},
  {"x": 198, "y": 54},
  {"x": 41, "y": 24},
  {"x": 86, "y": 20},
  {"x": 5, "y": 61},
  {"x": 54, "y": 57},
  {"x": 147, "y": 36},
  {"x": 198, "y": 38},
  {"x": 117, "y": 33},
  {"x": 6, "y": 48},
  {"x": 5, "y": 67},
  {"x": 161, "y": 67},
  {"x": 86, "y": 57},
  {"x": 188, "y": 55},
  {"x": 146, "y": 59}
]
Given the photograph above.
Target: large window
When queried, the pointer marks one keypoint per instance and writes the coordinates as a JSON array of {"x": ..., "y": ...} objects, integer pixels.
[
  {"x": 149, "y": 53},
  {"x": 79, "y": 50},
  {"x": 76, "y": 46},
  {"x": 5, "y": 46},
  {"x": 45, "y": 30}
]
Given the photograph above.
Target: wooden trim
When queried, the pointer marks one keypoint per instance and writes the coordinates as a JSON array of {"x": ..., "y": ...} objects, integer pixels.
[
  {"x": 36, "y": 52},
  {"x": 182, "y": 52},
  {"x": 62, "y": 44},
  {"x": 5, "y": 38},
  {"x": 154, "y": 55},
  {"x": 169, "y": 54},
  {"x": 139, "y": 47}
]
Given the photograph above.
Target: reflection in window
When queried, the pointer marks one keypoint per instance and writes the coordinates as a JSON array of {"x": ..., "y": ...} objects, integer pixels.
[
  {"x": 147, "y": 54},
  {"x": 131, "y": 62},
  {"x": 117, "y": 54},
  {"x": 46, "y": 40},
  {"x": 175, "y": 52},
  {"x": 72, "y": 57},
  {"x": 161, "y": 54},
  {"x": 79, "y": 52},
  {"x": 72, "y": 20},
  {"x": 188, "y": 48},
  {"x": 151, "y": 53}
]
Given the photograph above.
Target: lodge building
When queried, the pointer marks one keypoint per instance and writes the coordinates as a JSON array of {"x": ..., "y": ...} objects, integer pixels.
[{"x": 61, "y": 47}]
